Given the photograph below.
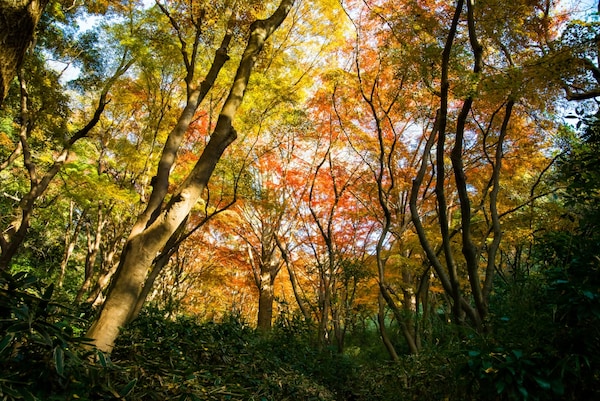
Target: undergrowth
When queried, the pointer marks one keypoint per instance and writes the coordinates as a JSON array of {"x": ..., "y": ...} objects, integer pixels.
[{"x": 43, "y": 356}]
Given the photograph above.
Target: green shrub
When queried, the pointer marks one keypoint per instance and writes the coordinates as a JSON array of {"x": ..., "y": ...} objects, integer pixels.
[
  {"x": 182, "y": 358},
  {"x": 544, "y": 337},
  {"x": 510, "y": 374},
  {"x": 42, "y": 356},
  {"x": 431, "y": 375}
]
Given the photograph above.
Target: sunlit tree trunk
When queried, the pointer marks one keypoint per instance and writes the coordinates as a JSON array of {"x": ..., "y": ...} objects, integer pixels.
[
  {"x": 160, "y": 262},
  {"x": 285, "y": 254},
  {"x": 262, "y": 221},
  {"x": 324, "y": 307},
  {"x": 148, "y": 240},
  {"x": 266, "y": 297},
  {"x": 110, "y": 247},
  {"x": 339, "y": 327}
]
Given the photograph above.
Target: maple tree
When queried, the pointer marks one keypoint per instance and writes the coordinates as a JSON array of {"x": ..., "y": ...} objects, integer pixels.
[
  {"x": 389, "y": 166},
  {"x": 262, "y": 224},
  {"x": 149, "y": 234},
  {"x": 278, "y": 58},
  {"x": 465, "y": 99},
  {"x": 332, "y": 232}
]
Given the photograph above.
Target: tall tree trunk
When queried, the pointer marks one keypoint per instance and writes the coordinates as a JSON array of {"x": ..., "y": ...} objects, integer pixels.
[
  {"x": 92, "y": 252},
  {"x": 446, "y": 272},
  {"x": 469, "y": 248},
  {"x": 18, "y": 19},
  {"x": 324, "y": 299},
  {"x": 108, "y": 267},
  {"x": 143, "y": 246},
  {"x": 266, "y": 297},
  {"x": 265, "y": 267},
  {"x": 339, "y": 328}
]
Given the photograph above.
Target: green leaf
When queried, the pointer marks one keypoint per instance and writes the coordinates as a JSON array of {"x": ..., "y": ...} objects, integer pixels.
[
  {"x": 500, "y": 386},
  {"x": 23, "y": 281},
  {"x": 127, "y": 389},
  {"x": 48, "y": 293},
  {"x": 59, "y": 361},
  {"x": 543, "y": 383},
  {"x": 18, "y": 328},
  {"x": 517, "y": 353},
  {"x": 27, "y": 396},
  {"x": 102, "y": 359},
  {"x": 6, "y": 341}
]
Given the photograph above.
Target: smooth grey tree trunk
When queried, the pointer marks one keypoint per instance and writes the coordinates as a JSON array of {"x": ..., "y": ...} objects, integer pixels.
[{"x": 146, "y": 243}]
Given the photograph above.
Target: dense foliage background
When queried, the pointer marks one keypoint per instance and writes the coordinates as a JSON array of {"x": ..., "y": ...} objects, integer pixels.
[{"x": 406, "y": 207}]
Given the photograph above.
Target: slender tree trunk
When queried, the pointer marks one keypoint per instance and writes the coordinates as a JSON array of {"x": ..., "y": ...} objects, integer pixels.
[
  {"x": 339, "y": 328},
  {"x": 469, "y": 249},
  {"x": 107, "y": 269},
  {"x": 496, "y": 227},
  {"x": 92, "y": 253},
  {"x": 293, "y": 280},
  {"x": 95, "y": 298},
  {"x": 447, "y": 272},
  {"x": 70, "y": 242},
  {"x": 143, "y": 246},
  {"x": 422, "y": 306},
  {"x": 324, "y": 296},
  {"x": 408, "y": 335},
  {"x": 385, "y": 338}
]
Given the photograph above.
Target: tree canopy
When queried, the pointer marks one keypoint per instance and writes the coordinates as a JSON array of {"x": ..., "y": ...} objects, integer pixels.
[{"x": 373, "y": 179}]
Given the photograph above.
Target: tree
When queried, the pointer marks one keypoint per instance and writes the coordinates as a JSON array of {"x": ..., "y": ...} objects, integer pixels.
[
  {"x": 468, "y": 110},
  {"x": 335, "y": 231},
  {"x": 440, "y": 136},
  {"x": 263, "y": 222},
  {"x": 39, "y": 175},
  {"x": 18, "y": 22},
  {"x": 150, "y": 234},
  {"x": 575, "y": 59}
]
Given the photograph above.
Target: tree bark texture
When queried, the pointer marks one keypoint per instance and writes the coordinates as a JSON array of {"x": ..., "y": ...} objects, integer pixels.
[
  {"x": 18, "y": 19},
  {"x": 266, "y": 298}
]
